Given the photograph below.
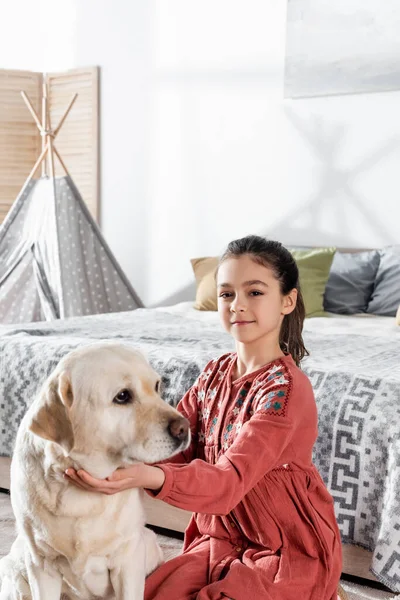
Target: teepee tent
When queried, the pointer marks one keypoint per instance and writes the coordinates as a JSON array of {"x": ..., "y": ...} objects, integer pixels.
[{"x": 54, "y": 261}]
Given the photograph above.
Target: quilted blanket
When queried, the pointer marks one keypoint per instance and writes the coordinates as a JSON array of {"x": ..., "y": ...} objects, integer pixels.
[{"x": 354, "y": 366}]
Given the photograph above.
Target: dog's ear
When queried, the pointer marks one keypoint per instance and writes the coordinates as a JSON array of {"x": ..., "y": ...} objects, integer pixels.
[{"x": 51, "y": 419}]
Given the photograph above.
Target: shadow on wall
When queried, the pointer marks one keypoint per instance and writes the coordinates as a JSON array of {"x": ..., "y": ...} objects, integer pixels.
[
  {"x": 335, "y": 187},
  {"x": 305, "y": 225}
]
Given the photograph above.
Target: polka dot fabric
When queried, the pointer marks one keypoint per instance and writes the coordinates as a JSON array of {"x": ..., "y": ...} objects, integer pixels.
[{"x": 54, "y": 261}]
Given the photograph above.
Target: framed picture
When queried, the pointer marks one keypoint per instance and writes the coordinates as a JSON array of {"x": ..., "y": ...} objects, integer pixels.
[{"x": 342, "y": 47}]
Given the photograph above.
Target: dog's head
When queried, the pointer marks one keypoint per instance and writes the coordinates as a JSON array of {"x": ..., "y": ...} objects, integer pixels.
[{"x": 103, "y": 400}]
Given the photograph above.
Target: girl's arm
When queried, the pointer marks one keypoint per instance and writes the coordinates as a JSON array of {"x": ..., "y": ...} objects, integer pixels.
[
  {"x": 281, "y": 406},
  {"x": 217, "y": 489},
  {"x": 199, "y": 486}
]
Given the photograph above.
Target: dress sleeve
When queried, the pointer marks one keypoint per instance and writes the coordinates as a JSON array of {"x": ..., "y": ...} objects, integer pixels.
[{"x": 217, "y": 489}]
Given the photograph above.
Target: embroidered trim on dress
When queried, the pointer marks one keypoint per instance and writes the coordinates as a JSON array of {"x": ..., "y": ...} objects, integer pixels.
[
  {"x": 267, "y": 393},
  {"x": 272, "y": 402}
]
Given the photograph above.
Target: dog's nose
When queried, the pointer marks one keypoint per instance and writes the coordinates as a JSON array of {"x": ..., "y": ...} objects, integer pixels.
[{"x": 179, "y": 428}]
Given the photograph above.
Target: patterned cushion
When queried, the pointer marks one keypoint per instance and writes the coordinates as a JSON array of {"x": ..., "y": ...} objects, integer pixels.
[
  {"x": 351, "y": 282},
  {"x": 386, "y": 294}
]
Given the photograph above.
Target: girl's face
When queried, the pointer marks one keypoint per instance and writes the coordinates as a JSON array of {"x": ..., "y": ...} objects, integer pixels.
[{"x": 250, "y": 302}]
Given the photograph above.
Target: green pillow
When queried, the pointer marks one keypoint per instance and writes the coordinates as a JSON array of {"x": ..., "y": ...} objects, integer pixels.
[{"x": 314, "y": 265}]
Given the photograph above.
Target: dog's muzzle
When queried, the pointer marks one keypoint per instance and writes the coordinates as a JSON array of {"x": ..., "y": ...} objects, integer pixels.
[{"x": 179, "y": 429}]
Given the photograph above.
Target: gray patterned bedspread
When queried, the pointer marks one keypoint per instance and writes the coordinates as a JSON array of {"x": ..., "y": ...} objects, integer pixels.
[{"x": 354, "y": 367}]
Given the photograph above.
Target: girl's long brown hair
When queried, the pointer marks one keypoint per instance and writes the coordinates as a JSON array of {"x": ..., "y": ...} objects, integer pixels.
[{"x": 272, "y": 254}]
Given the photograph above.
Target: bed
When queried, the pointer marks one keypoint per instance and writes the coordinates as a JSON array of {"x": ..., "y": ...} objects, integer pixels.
[{"x": 354, "y": 367}]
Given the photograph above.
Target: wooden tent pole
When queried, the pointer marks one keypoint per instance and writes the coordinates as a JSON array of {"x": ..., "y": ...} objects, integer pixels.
[
  {"x": 39, "y": 160},
  {"x": 36, "y": 118},
  {"x": 33, "y": 112},
  {"x": 61, "y": 160},
  {"x": 48, "y": 136},
  {"x": 44, "y": 121},
  {"x": 65, "y": 115},
  {"x": 51, "y": 157}
]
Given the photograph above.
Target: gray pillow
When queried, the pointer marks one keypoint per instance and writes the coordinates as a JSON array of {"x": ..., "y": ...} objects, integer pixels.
[
  {"x": 386, "y": 294},
  {"x": 351, "y": 282}
]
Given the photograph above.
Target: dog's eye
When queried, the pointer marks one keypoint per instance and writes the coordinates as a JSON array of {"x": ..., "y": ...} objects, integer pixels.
[
  {"x": 123, "y": 397},
  {"x": 157, "y": 386}
]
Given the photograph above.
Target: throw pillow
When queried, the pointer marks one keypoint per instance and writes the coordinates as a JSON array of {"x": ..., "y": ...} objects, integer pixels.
[
  {"x": 351, "y": 282},
  {"x": 314, "y": 266},
  {"x": 204, "y": 272},
  {"x": 386, "y": 293}
]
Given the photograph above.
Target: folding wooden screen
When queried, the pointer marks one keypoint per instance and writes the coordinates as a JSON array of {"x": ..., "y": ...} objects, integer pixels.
[
  {"x": 77, "y": 142},
  {"x": 19, "y": 139}
]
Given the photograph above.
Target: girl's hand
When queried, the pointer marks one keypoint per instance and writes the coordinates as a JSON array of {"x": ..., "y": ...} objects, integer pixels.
[{"x": 138, "y": 475}]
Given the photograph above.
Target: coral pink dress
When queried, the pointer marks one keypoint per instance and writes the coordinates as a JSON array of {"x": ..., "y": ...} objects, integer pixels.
[{"x": 263, "y": 525}]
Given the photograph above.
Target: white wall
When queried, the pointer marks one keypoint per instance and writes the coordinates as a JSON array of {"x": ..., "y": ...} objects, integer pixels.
[
  {"x": 342, "y": 171},
  {"x": 37, "y": 35},
  {"x": 191, "y": 127},
  {"x": 199, "y": 147}
]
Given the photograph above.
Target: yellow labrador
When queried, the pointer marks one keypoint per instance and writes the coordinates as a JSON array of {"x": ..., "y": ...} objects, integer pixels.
[{"x": 99, "y": 410}]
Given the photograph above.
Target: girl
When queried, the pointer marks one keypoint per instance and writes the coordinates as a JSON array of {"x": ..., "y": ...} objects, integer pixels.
[{"x": 263, "y": 525}]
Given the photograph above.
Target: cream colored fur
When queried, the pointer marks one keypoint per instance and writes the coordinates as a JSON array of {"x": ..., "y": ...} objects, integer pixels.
[{"x": 83, "y": 544}]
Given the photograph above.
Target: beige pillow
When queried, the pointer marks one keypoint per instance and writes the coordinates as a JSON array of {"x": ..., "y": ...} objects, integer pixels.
[
  {"x": 398, "y": 316},
  {"x": 204, "y": 272}
]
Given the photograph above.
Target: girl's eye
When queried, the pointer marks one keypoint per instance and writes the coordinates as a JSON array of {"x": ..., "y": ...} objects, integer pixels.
[
  {"x": 225, "y": 295},
  {"x": 256, "y": 293}
]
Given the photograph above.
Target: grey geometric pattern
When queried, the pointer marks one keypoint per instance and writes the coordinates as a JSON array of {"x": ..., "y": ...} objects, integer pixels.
[
  {"x": 354, "y": 368},
  {"x": 358, "y": 455}
]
